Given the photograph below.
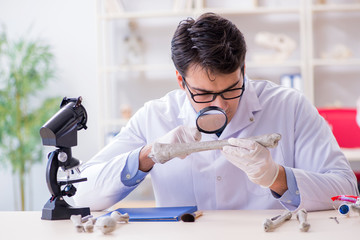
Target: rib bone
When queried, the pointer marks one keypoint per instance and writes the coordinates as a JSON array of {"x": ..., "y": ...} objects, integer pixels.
[{"x": 162, "y": 152}]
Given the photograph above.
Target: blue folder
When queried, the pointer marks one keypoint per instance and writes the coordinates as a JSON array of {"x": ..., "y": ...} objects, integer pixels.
[{"x": 155, "y": 214}]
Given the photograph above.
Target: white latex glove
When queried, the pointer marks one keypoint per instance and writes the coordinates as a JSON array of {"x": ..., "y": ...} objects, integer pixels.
[
  {"x": 180, "y": 134},
  {"x": 254, "y": 159}
]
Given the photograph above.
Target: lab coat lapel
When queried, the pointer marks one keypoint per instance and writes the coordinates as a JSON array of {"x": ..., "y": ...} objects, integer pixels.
[
  {"x": 187, "y": 114},
  {"x": 244, "y": 116}
]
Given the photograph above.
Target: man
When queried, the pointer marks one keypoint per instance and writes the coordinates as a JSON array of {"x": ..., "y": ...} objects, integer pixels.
[{"x": 305, "y": 170}]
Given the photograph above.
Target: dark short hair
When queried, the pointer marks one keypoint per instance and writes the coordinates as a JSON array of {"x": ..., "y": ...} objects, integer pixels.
[{"x": 211, "y": 42}]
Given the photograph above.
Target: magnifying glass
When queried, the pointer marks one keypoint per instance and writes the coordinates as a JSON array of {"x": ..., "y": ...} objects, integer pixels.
[{"x": 211, "y": 119}]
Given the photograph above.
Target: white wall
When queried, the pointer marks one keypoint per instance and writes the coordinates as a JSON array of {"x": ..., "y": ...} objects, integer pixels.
[{"x": 70, "y": 28}]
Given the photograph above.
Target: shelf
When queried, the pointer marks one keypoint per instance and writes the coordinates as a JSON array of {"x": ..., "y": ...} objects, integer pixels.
[
  {"x": 336, "y": 8},
  {"x": 195, "y": 12},
  {"x": 255, "y": 10},
  {"x": 170, "y": 67},
  {"x": 339, "y": 62},
  {"x": 137, "y": 68},
  {"x": 286, "y": 63},
  {"x": 145, "y": 14}
]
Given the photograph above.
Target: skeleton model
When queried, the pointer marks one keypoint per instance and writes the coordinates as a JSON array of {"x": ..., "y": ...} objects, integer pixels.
[
  {"x": 133, "y": 45},
  {"x": 281, "y": 43},
  {"x": 338, "y": 52},
  {"x": 113, "y": 6}
]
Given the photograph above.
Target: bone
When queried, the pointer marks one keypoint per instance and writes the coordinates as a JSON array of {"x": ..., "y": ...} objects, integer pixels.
[
  {"x": 86, "y": 218},
  {"x": 162, "y": 152},
  {"x": 270, "y": 224},
  {"x": 89, "y": 226},
  {"x": 106, "y": 224},
  {"x": 120, "y": 217},
  {"x": 301, "y": 216},
  {"x": 356, "y": 208},
  {"x": 76, "y": 219}
]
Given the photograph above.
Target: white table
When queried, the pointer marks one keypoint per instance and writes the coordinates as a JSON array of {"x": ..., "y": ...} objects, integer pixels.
[{"x": 219, "y": 225}]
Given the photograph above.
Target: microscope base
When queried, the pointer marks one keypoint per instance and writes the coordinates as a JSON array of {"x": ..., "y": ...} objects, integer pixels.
[{"x": 58, "y": 209}]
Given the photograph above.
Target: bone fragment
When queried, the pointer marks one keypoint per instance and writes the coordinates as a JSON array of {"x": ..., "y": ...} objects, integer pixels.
[
  {"x": 162, "y": 152},
  {"x": 86, "y": 218},
  {"x": 356, "y": 208},
  {"x": 76, "y": 219},
  {"x": 301, "y": 216},
  {"x": 106, "y": 224},
  {"x": 120, "y": 217},
  {"x": 89, "y": 226},
  {"x": 270, "y": 224}
]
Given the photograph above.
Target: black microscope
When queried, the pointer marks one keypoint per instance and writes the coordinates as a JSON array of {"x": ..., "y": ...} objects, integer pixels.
[{"x": 61, "y": 131}]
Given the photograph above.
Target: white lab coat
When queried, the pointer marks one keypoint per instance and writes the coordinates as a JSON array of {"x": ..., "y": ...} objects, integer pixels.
[{"x": 207, "y": 179}]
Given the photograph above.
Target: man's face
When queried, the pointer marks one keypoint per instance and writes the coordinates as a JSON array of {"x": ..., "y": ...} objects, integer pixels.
[{"x": 198, "y": 81}]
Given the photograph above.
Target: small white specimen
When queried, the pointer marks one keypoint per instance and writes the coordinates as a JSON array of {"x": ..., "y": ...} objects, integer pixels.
[
  {"x": 339, "y": 51},
  {"x": 87, "y": 217},
  {"x": 89, "y": 226},
  {"x": 106, "y": 224},
  {"x": 120, "y": 217},
  {"x": 76, "y": 219},
  {"x": 356, "y": 207},
  {"x": 281, "y": 43},
  {"x": 270, "y": 224},
  {"x": 301, "y": 216}
]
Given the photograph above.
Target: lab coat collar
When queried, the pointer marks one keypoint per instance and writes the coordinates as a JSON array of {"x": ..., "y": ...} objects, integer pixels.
[
  {"x": 244, "y": 116},
  {"x": 187, "y": 112}
]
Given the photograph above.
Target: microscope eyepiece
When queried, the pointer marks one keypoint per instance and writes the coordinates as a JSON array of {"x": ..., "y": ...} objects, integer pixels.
[{"x": 61, "y": 129}]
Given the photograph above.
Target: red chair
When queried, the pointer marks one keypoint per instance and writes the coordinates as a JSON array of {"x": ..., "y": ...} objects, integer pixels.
[{"x": 342, "y": 122}]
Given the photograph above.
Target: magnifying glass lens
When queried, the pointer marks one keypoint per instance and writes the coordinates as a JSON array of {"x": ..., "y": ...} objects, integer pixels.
[{"x": 211, "y": 120}]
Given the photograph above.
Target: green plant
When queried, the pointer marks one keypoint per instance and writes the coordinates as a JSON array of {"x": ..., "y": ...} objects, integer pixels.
[{"x": 25, "y": 68}]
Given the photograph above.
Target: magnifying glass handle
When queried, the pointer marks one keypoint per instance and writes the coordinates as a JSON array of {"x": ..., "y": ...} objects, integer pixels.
[{"x": 162, "y": 152}]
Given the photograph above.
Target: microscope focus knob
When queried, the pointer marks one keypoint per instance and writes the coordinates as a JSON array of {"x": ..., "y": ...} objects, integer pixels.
[
  {"x": 69, "y": 190},
  {"x": 62, "y": 157}
]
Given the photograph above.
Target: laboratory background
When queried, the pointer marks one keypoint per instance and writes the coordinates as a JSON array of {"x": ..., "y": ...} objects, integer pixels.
[{"x": 116, "y": 55}]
